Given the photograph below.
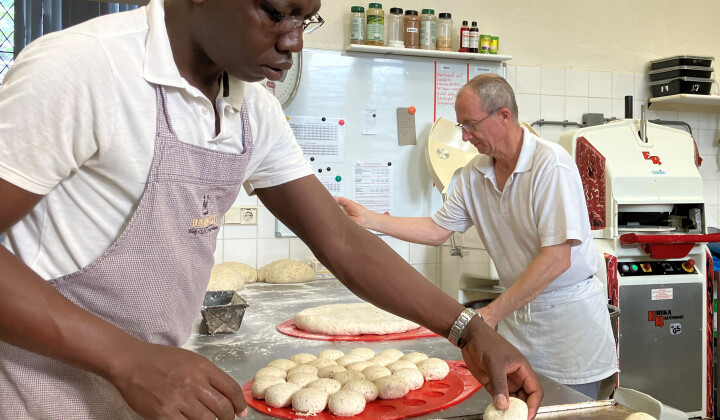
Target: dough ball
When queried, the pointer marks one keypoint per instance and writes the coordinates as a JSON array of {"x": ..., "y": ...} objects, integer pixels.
[
  {"x": 401, "y": 364},
  {"x": 328, "y": 371},
  {"x": 302, "y": 378},
  {"x": 360, "y": 366},
  {"x": 330, "y": 386},
  {"x": 283, "y": 364},
  {"x": 330, "y": 354},
  {"x": 347, "y": 376},
  {"x": 289, "y": 271},
  {"x": 347, "y": 359},
  {"x": 517, "y": 410},
  {"x": 246, "y": 272},
  {"x": 321, "y": 363},
  {"x": 302, "y": 358},
  {"x": 640, "y": 416},
  {"x": 391, "y": 387},
  {"x": 412, "y": 376},
  {"x": 366, "y": 388},
  {"x": 303, "y": 369},
  {"x": 280, "y": 395},
  {"x": 376, "y": 372},
  {"x": 223, "y": 277},
  {"x": 309, "y": 401},
  {"x": 394, "y": 354},
  {"x": 271, "y": 371},
  {"x": 415, "y": 357},
  {"x": 362, "y": 352},
  {"x": 433, "y": 369},
  {"x": 381, "y": 360},
  {"x": 261, "y": 384},
  {"x": 346, "y": 403}
]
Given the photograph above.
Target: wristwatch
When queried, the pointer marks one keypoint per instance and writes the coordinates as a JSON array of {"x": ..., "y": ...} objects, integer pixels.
[{"x": 459, "y": 325}]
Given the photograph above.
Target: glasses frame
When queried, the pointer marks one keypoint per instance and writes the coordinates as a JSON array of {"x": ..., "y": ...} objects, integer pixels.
[
  {"x": 472, "y": 126},
  {"x": 289, "y": 23}
]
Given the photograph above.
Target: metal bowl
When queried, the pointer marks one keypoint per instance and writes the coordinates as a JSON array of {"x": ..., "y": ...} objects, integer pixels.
[{"x": 222, "y": 312}]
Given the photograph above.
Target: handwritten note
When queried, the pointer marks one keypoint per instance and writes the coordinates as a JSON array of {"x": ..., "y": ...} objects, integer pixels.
[{"x": 449, "y": 78}]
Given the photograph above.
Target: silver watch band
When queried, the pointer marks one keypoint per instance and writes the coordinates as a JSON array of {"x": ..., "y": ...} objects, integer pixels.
[{"x": 459, "y": 325}]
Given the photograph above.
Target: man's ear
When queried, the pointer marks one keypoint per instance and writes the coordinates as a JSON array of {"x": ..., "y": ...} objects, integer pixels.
[{"x": 505, "y": 114}]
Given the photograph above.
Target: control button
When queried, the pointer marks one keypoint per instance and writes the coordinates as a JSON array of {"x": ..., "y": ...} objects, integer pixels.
[
  {"x": 646, "y": 267},
  {"x": 688, "y": 265},
  {"x": 634, "y": 268},
  {"x": 624, "y": 268}
]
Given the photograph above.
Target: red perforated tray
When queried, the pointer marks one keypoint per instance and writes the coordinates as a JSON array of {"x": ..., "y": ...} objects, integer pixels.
[
  {"x": 433, "y": 396},
  {"x": 288, "y": 327}
]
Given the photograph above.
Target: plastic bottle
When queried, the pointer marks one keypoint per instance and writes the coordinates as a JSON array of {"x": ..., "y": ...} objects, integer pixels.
[
  {"x": 357, "y": 25},
  {"x": 444, "y": 32},
  {"x": 395, "y": 28},
  {"x": 464, "y": 37},
  {"x": 474, "y": 38},
  {"x": 412, "y": 29},
  {"x": 494, "y": 44},
  {"x": 375, "y": 28},
  {"x": 485, "y": 41},
  {"x": 428, "y": 29}
]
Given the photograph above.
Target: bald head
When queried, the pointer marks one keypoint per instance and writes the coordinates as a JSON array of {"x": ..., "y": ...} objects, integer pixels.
[{"x": 494, "y": 92}]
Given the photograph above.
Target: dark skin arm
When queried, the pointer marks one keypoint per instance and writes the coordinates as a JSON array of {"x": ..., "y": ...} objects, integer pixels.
[
  {"x": 158, "y": 382},
  {"x": 368, "y": 267}
]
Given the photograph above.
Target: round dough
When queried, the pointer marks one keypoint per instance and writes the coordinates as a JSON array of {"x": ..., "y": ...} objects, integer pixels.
[
  {"x": 289, "y": 271},
  {"x": 376, "y": 372},
  {"x": 302, "y": 358},
  {"x": 261, "y": 385},
  {"x": 347, "y": 376},
  {"x": 271, "y": 371},
  {"x": 415, "y": 357},
  {"x": 363, "y": 353},
  {"x": 346, "y": 403},
  {"x": 433, "y": 369},
  {"x": 280, "y": 395},
  {"x": 351, "y": 319},
  {"x": 330, "y": 354},
  {"x": 330, "y": 386},
  {"x": 223, "y": 277},
  {"x": 412, "y": 376},
  {"x": 391, "y": 387},
  {"x": 302, "y": 378},
  {"x": 394, "y": 354},
  {"x": 401, "y": 364},
  {"x": 283, "y": 364},
  {"x": 381, "y": 360},
  {"x": 348, "y": 358},
  {"x": 246, "y": 272},
  {"x": 360, "y": 366},
  {"x": 366, "y": 388},
  {"x": 328, "y": 371},
  {"x": 321, "y": 363},
  {"x": 309, "y": 401},
  {"x": 517, "y": 410},
  {"x": 640, "y": 416},
  {"x": 303, "y": 369}
]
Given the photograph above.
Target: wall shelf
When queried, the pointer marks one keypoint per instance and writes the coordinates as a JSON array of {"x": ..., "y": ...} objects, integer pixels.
[
  {"x": 686, "y": 102},
  {"x": 453, "y": 55}
]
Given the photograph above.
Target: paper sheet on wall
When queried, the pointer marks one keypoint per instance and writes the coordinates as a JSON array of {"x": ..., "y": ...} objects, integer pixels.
[
  {"x": 373, "y": 184},
  {"x": 449, "y": 78},
  {"x": 476, "y": 69},
  {"x": 335, "y": 186},
  {"x": 369, "y": 121},
  {"x": 321, "y": 139}
]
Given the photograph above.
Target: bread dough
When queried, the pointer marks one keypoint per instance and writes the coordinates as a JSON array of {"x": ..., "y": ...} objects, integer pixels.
[
  {"x": 328, "y": 371},
  {"x": 366, "y": 388},
  {"x": 347, "y": 376},
  {"x": 351, "y": 319},
  {"x": 363, "y": 353},
  {"x": 346, "y": 403},
  {"x": 381, "y": 360},
  {"x": 349, "y": 358},
  {"x": 271, "y": 371},
  {"x": 360, "y": 366},
  {"x": 412, "y": 376},
  {"x": 330, "y": 386},
  {"x": 302, "y": 358},
  {"x": 261, "y": 384},
  {"x": 640, "y": 416},
  {"x": 330, "y": 354},
  {"x": 392, "y": 387},
  {"x": 246, "y": 272},
  {"x": 223, "y": 277},
  {"x": 517, "y": 410},
  {"x": 303, "y": 369},
  {"x": 433, "y": 369},
  {"x": 309, "y": 401},
  {"x": 401, "y": 364},
  {"x": 283, "y": 364},
  {"x": 415, "y": 357},
  {"x": 302, "y": 378},
  {"x": 394, "y": 354},
  {"x": 376, "y": 372},
  {"x": 280, "y": 395},
  {"x": 289, "y": 271}
]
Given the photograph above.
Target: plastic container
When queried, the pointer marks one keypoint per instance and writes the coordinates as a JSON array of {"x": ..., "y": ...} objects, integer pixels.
[
  {"x": 444, "y": 32},
  {"x": 375, "y": 27},
  {"x": 644, "y": 403},
  {"x": 395, "y": 28},
  {"x": 428, "y": 29},
  {"x": 464, "y": 37},
  {"x": 681, "y": 60},
  {"x": 680, "y": 71},
  {"x": 485, "y": 44},
  {"x": 474, "y": 38},
  {"x": 357, "y": 25},
  {"x": 691, "y": 85},
  {"x": 412, "y": 29},
  {"x": 494, "y": 44}
]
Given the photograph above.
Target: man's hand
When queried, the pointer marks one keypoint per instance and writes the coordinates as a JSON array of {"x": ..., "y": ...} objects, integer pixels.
[
  {"x": 161, "y": 382},
  {"x": 355, "y": 211}
]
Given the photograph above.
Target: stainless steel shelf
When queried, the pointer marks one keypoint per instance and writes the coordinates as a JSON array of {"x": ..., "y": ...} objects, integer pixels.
[{"x": 374, "y": 49}]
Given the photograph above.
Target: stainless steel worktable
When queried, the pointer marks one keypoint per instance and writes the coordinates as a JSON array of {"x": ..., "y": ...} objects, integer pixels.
[{"x": 258, "y": 342}]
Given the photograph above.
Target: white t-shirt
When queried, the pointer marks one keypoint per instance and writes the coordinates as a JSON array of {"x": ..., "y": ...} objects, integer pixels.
[
  {"x": 78, "y": 124},
  {"x": 542, "y": 204}
]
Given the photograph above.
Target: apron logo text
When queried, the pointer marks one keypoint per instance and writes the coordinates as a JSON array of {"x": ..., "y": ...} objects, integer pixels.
[{"x": 204, "y": 225}]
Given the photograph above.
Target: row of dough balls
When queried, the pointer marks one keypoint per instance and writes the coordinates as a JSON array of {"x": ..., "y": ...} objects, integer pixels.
[
  {"x": 343, "y": 383},
  {"x": 235, "y": 275}
]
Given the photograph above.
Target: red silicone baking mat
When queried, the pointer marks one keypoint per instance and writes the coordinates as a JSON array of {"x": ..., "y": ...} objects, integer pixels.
[
  {"x": 288, "y": 327},
  {"x": 433, "y": 396}
]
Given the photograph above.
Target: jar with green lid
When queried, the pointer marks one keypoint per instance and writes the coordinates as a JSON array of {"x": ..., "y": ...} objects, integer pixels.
[
  {"x": 375, "y": 28},
  {"x": 357, "y": 25},
  {"x": 428, "y": 29},
  {"x": 494, "y": 44}
]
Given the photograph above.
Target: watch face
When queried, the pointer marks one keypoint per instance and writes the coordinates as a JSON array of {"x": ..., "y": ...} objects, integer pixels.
[{"x": 285, "y": 88}]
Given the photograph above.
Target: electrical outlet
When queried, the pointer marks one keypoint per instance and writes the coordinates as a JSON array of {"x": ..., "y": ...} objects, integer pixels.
[{"x": 241, "y": 216}]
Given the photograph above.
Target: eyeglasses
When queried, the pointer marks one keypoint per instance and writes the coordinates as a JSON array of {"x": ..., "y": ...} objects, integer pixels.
[
  {"x": 471, "y": 126},
  {"x": 288, "y": 23}
]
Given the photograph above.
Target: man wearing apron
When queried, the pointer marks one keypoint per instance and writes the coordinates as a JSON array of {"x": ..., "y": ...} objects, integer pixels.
[
  {"x": 118, "y": 138},
  {"x": 525, "y": 198}
]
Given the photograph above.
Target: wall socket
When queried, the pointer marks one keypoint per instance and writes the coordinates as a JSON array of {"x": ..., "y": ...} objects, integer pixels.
[{"x": 241, "y": 216}]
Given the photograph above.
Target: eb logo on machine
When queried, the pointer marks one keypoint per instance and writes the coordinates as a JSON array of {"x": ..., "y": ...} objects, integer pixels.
[{"x": 655, "y": 159}]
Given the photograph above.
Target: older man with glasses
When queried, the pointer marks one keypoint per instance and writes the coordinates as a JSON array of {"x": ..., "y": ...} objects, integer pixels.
[{"x": 524, "y": 196}]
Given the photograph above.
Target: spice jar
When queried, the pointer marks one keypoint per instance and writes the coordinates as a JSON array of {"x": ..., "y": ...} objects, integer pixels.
[
  {"x": 412, "y": 29},
  {"x": 428, "y": 29},
  {"x": 375, "y": 28},
  {"x": 395, "y": 26},
  {"x": 444, "y": 32},
  {"x": 357, "y": 25}
]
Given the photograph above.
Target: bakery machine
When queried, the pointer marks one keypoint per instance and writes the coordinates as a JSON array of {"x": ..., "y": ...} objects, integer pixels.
[{"x": 645, "y": 202}]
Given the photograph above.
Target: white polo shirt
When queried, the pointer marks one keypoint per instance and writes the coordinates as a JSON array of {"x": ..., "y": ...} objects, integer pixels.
[
  {"x": 542, "y": 204},
  {"x": 78, "y": 123}
]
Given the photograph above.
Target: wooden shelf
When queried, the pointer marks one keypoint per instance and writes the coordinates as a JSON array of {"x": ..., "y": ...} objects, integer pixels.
[
  {"x": 686, "y": 102},
  {"x": 453, "y": 55}
]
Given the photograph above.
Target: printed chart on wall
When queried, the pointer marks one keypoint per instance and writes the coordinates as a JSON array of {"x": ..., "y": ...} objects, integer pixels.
[
  {"x": 373, "y": 184},
  {"x": 321, "y": 139},
  {"x": 449, "y": 78}
]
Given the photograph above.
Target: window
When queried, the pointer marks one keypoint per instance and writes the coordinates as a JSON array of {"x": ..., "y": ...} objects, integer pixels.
[{"x": 7, "y": 32}]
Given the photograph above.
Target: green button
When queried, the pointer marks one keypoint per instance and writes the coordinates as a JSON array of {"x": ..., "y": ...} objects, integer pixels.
[
  {"x": 338, "y": 178},
  {"x": 634, "y": 267}
]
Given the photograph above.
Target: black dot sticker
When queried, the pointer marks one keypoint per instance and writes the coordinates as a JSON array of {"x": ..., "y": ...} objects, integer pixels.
[
  {"x": 320, "y": 170},
  {"x": 312, "y": 159}
]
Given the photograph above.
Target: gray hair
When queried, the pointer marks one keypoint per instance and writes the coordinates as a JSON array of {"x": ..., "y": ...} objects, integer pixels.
[{"x": 494, "y": 93}]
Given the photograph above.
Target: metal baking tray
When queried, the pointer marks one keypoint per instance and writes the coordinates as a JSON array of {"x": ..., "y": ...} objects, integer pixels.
[{"x": 222, "y": 312}]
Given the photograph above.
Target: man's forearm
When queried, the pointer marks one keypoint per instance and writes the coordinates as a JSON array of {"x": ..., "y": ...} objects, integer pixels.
[{"x": 419, "y": 230}]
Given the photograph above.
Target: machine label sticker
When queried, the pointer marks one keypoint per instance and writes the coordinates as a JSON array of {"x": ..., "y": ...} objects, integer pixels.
[
  {"x": 655, "y": 159},
  {"x": 661, "y": 294},
  {"x": 658, "y": 171},
  {"x": 659, "y": 317},
  {"x": 675, "y": 329}
]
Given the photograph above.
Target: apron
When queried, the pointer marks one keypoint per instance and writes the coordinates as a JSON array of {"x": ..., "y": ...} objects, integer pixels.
[
  {"x": 565, "y": 334},
  {"x": 150, "y": 282}
]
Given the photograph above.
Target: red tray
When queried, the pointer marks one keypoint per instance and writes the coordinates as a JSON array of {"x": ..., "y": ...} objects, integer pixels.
[
  {"x": 433, "y": 396},
  {"x": 288, "y": 327}
]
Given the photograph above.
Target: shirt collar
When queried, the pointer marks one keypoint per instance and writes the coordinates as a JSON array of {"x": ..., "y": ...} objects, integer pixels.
[{"x": 484, "y": 163}]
